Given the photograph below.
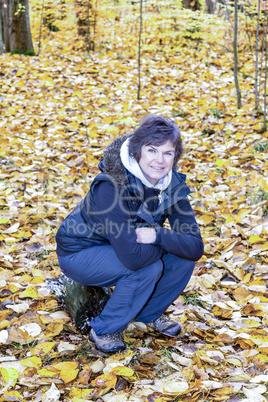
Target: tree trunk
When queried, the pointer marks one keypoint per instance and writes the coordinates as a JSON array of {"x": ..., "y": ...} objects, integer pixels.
[
  {"x": 6, "y": 19},
  {"x": 82, "y": 16},
  {"x": 211, "y": 6},
  {"x": 191, "y": 4},
  {"x": 16, "y": 26},
  {"x": 139, "y": 54},
  {"x": 257, "y": 58},
  {"x": 238, "y": 92},
  {"x": 40, "y": 28},
  {"x": 266, "y": 71},
  {"x": 88, "y": 28},
  {"x": 86, "y": 13},
  {"x": 21, "y": 31},
  {"x": 83, "y": 302},
  {"x": 1, "y": 33}
]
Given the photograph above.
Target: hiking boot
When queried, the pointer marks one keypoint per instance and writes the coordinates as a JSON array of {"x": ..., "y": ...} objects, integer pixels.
[
  {"x": 165, "y": 326},
  {"x": 107, "y": 342}
]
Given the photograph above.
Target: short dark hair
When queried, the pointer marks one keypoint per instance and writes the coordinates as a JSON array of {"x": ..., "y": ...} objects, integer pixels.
[{"x": 155, "y": 130}]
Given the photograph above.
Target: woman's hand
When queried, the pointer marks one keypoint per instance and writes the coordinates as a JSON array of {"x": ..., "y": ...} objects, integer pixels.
[{"x": 145, "y": 235}]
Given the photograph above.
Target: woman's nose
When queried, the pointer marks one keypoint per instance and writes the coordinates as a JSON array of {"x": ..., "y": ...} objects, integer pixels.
[{"x": 159, "y": 158}]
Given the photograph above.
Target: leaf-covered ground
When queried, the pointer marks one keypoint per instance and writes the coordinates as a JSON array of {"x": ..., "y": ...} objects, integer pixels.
[{"x": 58, "y": 112}]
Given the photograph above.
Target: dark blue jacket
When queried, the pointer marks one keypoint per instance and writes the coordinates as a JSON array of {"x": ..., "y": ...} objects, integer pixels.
[{"x": 117, "y": 203}]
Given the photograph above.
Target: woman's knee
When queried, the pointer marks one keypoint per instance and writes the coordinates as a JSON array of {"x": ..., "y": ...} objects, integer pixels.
[
  {"x": 172, "y": 262},
  {"x": 152, "y": 272}
]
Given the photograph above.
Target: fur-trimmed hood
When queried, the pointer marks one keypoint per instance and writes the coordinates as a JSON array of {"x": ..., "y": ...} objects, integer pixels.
[{"x": 111, "y": 163}]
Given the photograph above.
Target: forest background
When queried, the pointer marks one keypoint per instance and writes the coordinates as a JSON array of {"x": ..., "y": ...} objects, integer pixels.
[{"x": 62, "y": 101}]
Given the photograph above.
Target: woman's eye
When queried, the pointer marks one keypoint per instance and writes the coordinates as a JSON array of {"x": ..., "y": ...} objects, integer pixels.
[{"x": 151, "y": 150}]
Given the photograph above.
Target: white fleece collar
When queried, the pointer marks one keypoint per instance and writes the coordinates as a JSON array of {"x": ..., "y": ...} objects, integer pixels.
[{"x": 133, "y": 167}]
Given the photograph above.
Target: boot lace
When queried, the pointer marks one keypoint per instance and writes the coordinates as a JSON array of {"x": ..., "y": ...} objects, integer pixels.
[
  {"x": 162, "y": 319},
  {"x": 111, "y": 337}
]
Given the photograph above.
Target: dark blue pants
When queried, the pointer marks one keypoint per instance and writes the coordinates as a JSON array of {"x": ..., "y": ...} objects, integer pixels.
[{"x": 144, "y": 294}]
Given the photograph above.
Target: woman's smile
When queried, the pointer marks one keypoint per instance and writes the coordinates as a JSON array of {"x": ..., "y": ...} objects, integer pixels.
[{"x": 157, "y": 161}]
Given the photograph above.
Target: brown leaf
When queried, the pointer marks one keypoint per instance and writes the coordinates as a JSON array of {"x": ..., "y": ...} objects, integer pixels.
[
  {"x": 149, "y": 358},
  {"x": 84, "y": 376}
]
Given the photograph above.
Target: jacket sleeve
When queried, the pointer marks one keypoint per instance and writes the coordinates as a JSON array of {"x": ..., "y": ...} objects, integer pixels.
[
  {"x": 183, "y": 239},
  {"x": 115, "y": 217}
]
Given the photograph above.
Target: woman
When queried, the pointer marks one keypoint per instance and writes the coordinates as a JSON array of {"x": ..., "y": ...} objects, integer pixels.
[{"x": 115, "y": 235}]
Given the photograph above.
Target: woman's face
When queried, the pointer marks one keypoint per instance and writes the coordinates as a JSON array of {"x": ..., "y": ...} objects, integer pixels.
[{"x": 157, "y": 161}]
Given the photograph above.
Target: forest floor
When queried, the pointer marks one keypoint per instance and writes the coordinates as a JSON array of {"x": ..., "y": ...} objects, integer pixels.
[{"x": 59, "y": 110}]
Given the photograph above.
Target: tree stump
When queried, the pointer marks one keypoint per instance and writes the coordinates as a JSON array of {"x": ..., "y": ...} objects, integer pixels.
[{"x": 83, "y": 302}]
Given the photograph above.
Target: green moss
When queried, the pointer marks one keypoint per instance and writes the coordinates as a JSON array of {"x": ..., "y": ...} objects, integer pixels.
[{"x": 28, "y": 52}]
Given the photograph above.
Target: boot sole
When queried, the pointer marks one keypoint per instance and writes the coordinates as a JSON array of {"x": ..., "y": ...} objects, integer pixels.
[{"x": 110, "y": 350}]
